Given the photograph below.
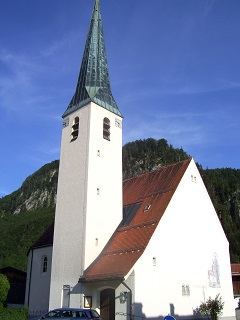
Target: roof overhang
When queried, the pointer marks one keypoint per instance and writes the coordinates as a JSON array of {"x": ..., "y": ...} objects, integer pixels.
[{"x": 96, "y": 280}]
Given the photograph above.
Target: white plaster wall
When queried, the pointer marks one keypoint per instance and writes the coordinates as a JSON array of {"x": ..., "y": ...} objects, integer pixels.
[
  {"x": 38, "y": 283},
  {"x": 69, "y": 231},
  {"x": 184, "y": 244},
  {"x": 82, "y": 215},
  {"x": 104, "y": 211},
  {"x": 123, "y": 307}
]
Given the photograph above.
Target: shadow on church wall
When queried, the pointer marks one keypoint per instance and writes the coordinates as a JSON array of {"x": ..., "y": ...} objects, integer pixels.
[{"x": 139, "y": 315}]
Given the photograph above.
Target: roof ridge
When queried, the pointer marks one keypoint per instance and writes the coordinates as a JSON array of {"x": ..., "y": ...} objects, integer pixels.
[{"x": 159, "y": 169}]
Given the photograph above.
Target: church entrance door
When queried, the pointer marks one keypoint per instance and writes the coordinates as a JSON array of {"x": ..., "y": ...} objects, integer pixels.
[{"x": 107, "y": 304}]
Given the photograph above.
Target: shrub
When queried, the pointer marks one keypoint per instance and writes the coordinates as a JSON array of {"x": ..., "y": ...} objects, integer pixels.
[
  {"x": 14, "y": 314},
  {"x": 212, "y": 307},
  {"x": 4, "y": 288}
]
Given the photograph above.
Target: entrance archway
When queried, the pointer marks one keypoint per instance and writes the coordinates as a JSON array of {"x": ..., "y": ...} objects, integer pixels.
[{"x": 107, "y": 304}]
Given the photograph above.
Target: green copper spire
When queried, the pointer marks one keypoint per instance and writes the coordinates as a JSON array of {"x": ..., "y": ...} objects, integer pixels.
[{"x": 93, "y": 81}]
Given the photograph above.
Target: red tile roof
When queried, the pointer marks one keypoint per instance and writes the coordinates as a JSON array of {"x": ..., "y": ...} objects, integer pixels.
[{"x": 129, "y": 241}]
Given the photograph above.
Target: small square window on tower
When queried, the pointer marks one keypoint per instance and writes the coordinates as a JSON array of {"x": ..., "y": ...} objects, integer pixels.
[
  {"x": 96, "y": 242},
  {"x": 154, "y": 261}
]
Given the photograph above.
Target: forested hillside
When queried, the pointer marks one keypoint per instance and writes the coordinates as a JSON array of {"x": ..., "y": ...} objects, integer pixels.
[
  {"x": 27, "y": 212},
  {"x": 223, "y": 186},
  {"x": 147, "y": 155}
]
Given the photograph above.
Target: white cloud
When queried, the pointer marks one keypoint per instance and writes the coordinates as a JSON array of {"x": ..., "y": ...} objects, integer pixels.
[
  {"x": 66, "y": 41},
  {"x": 17, "y": 84}
]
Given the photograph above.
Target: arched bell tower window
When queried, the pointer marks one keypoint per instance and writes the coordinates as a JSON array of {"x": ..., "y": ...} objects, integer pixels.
[
  {"x": 106, "y": 129},
  {"x": 75, "y": 128},
  {"x": 44, "y": 264}
]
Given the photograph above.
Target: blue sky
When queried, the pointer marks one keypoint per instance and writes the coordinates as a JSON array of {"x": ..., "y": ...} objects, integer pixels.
[{"x": 174, "y": 70}]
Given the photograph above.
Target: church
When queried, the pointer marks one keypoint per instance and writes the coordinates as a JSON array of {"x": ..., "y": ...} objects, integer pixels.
[{"x": 146, "y": 247}]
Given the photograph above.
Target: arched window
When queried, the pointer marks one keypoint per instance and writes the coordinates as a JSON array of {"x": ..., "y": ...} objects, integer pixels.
[
  {"x": 75, "y": 128},
  {"x": 106, "y": 129},
  {"x": 44, "y": 264}
]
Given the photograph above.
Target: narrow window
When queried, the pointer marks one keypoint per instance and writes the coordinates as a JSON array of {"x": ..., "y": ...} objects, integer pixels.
[
  {"x": 96, "y": 242},
  {"x": 98, "y": 191},
  {"x": 194, "y": 179},
  {"x": 183, "y": 290},
  {"x": 44, "y": 264},
  {"x": 75, "y": 128},
  {"x": 154, "y": 261},
  {"x": 106, "y": 129}
]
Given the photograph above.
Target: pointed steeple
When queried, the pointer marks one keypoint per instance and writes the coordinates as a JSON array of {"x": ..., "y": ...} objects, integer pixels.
[{"x": 93, "y": 81}]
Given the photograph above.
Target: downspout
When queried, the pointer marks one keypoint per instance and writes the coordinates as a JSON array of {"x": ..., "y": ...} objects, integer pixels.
[
  {"x": 130, "y": 302},
  {"x": 30, "y": 278}
]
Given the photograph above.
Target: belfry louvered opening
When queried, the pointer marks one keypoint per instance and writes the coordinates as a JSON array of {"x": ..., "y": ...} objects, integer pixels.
[
  {"x": 75, "y": 128},
  {"x": 106, "y": 129}
]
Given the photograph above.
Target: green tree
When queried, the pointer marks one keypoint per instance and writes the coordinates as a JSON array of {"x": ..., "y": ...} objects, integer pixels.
[
  {"x": 4, "y": 288},
  {"x": 212, "y": 307}
]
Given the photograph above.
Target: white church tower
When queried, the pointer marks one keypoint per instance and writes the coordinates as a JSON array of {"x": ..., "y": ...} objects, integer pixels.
[{"x": 89, "y": 195}]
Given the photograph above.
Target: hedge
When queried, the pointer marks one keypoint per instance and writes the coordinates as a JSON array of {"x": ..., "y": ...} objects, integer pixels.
[{"x": 14, "y": 314}]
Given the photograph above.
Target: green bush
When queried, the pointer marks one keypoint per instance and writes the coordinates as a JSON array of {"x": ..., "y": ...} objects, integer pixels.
[
  {"x": 212, "y": 307},
  {"x": 4, "y": 288},
  {"x": 14, "y": 314}
]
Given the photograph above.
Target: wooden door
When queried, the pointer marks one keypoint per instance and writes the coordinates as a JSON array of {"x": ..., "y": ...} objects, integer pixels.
[{"x": 107, "y": 304}]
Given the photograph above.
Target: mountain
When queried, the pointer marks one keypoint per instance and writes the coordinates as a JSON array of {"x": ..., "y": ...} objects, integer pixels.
[
  {"x": 25, "y": 214},
  {"x": 28, "y": 211},
  {"x": 223, "y": 186},
  {"x": 149, "y": 154}
]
